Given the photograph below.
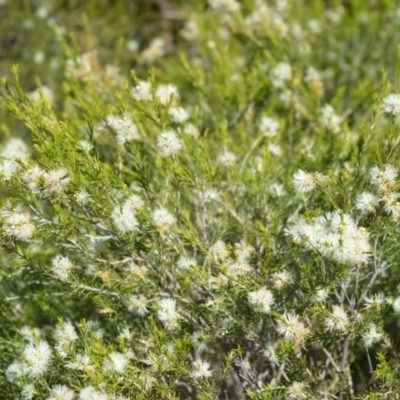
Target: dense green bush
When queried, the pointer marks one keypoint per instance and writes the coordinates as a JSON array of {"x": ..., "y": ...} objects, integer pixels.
[{"x": 200, "y": 200}]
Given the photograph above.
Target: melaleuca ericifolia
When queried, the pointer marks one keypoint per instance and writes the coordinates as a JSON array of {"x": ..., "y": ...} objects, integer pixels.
[{"x": 228, "y": 230}]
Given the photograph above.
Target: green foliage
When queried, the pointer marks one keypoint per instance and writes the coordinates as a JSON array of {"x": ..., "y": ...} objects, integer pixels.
[{"x": 199, "y": 200}]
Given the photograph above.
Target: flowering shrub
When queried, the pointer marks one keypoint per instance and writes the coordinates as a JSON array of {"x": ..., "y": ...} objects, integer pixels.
[{"x": 215, "y": 217}]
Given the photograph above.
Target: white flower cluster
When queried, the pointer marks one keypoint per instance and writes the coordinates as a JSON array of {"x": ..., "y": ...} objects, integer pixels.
[
  {"x": 371, "y": 335},
  {"x": 169, "y": 143},
  {"x": 201, "y": 370},
  {"x": 262, "y": 16},
  {"x": 383, "y": 180},
  {"x": 366, "y": 202},
  {"x": 291, "y": 328},
  {"x": 124, "y": 217},
  {"x": 165, "y": 94},
  {"x": 35, "y": 361},
  {"x": 281, "y": 279},
  {"x": 61, "y": 267},
  {"x": 90, "y": 393},
  {"x": 16, "y": 223},
  {"x": 237, "y": 266},
  {"x": 391, "y": 104},
  {"x": 335, "y": 235},
  {"x": 305, "y": 182},
  {"x": 123, "y": 127},
  {"x": 154, "y": 51},
  {"x": 137, "y": 304},
  {"x": 64, "y": 335},
  {"x": 330, "y": 120},
  {"x": 337, "y": 320},
  {"x": 14, "y": 153},
  {"x": 46, "y": 183},
  {"x": 269, "y": 126},
  {"x": 262, "y": 300},
  {"x": 314, "y": 81},
  {"x": 178, "y": 115},
  {"x": 61, "y": 392},
  {"x": 228, "y": 159},
  {"x": 281, "y": 74},
  {"x": 230, "y": 6},
  {"x": 163, "y": 220},
  {"x": 115, "y": 362},
  {"x": 167, "y": 313}
]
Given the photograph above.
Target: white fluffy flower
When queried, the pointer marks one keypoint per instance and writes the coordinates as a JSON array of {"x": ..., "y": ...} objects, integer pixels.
[
  {"x": 238, "y": 268},
  {"x": 290, "y": 327},
  {"x": 124, "y": 217},
  {"x": 280, "y": 74},
  {"x": 90, "y": 393},
  {"x": 384, "y": 178},
  {"x": 305, "y": 182},
  {"x": 167, "y": 93},
  {"x": 191, "y": 130},
  {"x": 366, "y": 202},
  {"x": 329, "y": 119},
  {"x": 163, "y": 219},
  {"x": 46, "y": 183},
  {"x": 169, "y": 143},
  {"x": 276, "y": 190},
  {"x": 335, "y": 236},
  {"x": 155, "y": 50},
  {"x": 167, "y": 313},
  {"x": 281, "y": 279},
  {"x": 115, "y": 362},
  {"x": 9, "y": 168},
  {"x": 275, "y": 149},
  {"x": 186, "y": 262},
  {"x": 269, "y": 126},
  {"x": 320, "y": 295},
  {"x": 81, "y": 362},
  {"x": 262, "y": 299},
  {"x": 36, "y": 358},
  {"x": 314, "y": 81},
  {"x": 210, "y": 195},
  {"x": 270, "y": 353},
  {"x": 391, "y": 104},
  {"x": 376, "y": 301},
  {"x": 137, "y": 304},
  {"x": 56, "y": 180},
  {"x": 142, "y": 91},
  {"x": 15, "y": 150},
  {"x": 61, "y": 392},
  {"x": 17, "y": 224},
  {"x": 219, "y": 250},
  {"x": 123, "y": 127},
  {"x": 296, "y": 391},
  {"x": 14, "y": 371},
  {"x": 243, "y": 251},
  {"x": 201, "y": 370},
  {"x": 337, "y": 320},
  {"x": 228, "y": 159},
  {"x": 64, "y": 335},
  {"x": 396, "y": 305},
  {"x": 178, "y": 115},
  {"x": 28, "y": 391},
  {"x": 372, "y": 335},
  {"x": 61, "y": 267},
  {"x": 230, "y": 6},
  {"x": 14, "y": 153}
]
